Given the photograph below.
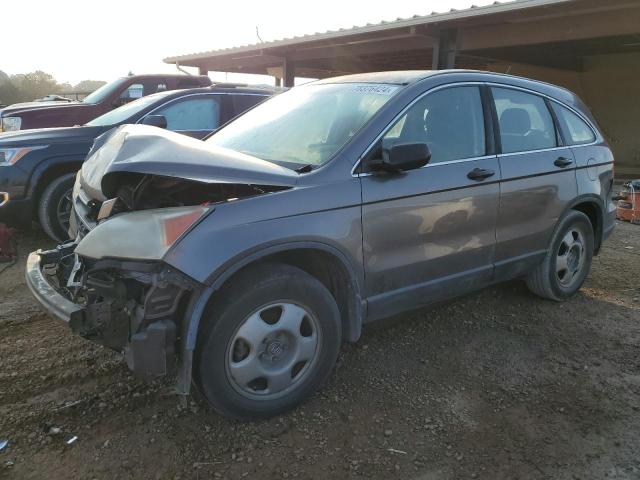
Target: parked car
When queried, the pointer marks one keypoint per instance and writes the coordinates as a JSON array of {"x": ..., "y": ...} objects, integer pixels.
[
  {"x": 251, "y": 256},
  {"x": 38, "y": 167},
  {"x": 43, "y": 114}
]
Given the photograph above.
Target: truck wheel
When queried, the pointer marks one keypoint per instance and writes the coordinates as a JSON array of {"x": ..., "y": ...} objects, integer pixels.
[
  {"x": 270, "y": 340},
  {"x": 567, "y": 263},
  {"x": 55, "y": 207}
]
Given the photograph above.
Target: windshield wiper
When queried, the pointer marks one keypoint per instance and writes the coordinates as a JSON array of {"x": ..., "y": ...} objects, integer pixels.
[{"x": 304, "y": 168}]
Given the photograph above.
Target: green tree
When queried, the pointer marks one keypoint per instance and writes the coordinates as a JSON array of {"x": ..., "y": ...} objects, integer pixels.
[
  {"x": 9, "y": 93},
  {"x": 88, "y": 85},
  {"x": 31, "y": 86},
  {"x": 35, "y": 84}
]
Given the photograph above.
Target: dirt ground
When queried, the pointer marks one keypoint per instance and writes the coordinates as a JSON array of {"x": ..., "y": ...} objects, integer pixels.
[{"x": 498, "y": 384}]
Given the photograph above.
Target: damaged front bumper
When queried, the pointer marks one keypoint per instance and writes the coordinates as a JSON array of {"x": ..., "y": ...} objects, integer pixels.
[
  {"x": 135, "y": 308},
  {"x": 49, "y": 298}
]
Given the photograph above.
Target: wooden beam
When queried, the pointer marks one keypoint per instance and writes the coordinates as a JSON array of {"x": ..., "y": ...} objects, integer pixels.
[
  {"x": 374, "y": 46},
  {"x": 561, "y": 29},
  {"x": 320, "y": 72},
  {"x": 252, "y": 62}
]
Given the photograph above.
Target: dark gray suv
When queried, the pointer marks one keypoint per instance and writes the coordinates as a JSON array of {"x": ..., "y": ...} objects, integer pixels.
[{"x": 244, "y": 261}]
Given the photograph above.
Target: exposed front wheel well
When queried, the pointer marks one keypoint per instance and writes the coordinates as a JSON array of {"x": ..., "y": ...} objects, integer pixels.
[
  {"x": 594, "y": 213},
  {"x": 331, "y": 272}
]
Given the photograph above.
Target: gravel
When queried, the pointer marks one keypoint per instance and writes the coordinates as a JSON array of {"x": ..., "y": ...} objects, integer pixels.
[{"x": 497, "y": 384}]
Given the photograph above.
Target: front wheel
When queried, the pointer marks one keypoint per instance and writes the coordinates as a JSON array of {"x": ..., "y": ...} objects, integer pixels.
[
  {"x": 567, "y": 263},
  {"x": 55, "y": 207},
  {"x": 269, "y": 341}
]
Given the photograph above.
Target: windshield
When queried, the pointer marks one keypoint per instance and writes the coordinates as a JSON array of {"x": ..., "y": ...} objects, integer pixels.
[
  {"x": 306, "y": 125},
  {"x": 127, "y": 111},
  {"x": 104, "y": 91}
]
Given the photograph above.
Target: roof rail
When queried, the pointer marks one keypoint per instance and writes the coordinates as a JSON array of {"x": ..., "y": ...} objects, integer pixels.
[
  {"x": 228, "y": 84},
  {"x": 261, "y": 86}
]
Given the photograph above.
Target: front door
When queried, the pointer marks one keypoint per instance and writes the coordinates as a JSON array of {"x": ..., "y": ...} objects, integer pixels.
[
  {"x": 538, "y": 180},
  {"x": 429, "y": 233}
]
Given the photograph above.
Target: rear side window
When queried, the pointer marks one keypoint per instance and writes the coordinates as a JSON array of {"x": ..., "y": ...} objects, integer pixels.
[
  {"x": 192, "y": 115},
  {"x": 242, "y": 103},
  {"x": 525, "y": 121},
  {"x": 449, "y": 121},
  {"x": 575, "y": 130}
]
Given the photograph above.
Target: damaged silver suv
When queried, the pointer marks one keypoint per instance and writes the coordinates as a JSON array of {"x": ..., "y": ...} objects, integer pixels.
[{"x": 242, "y": 263}]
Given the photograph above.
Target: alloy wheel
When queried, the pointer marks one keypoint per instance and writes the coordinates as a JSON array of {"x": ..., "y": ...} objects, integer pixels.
[
  {"x": 63, "y": 210},
  {"x": 570, "y": 257}
]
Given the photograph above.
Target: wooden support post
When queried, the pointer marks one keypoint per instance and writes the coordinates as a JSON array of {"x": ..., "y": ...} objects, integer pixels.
[
  {"x": 288, "y": 73},
  {"x": 435, "y": 59},
  {"x": 444, "y": 50}
]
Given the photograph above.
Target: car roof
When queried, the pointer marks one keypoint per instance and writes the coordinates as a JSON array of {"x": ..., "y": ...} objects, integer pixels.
[
  {"x": 408, "y": 77},
  {"x": 163, "y": 75},
  {"x": 177, "y": 93},
  {"x": 400, "y": 77}
]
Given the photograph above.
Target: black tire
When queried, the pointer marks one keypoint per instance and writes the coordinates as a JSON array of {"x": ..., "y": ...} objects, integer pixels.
[
  {"x": 234, "y": 306},
  {"x": 50, "y": 203},
  {"x": 545, "y": 280}
]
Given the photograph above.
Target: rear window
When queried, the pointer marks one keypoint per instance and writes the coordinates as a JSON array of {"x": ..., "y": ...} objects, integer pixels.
[{"x": 575, "y": 130}]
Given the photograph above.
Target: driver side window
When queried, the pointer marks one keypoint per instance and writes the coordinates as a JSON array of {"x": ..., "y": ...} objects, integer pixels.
[{"x": 449, "y": 121}]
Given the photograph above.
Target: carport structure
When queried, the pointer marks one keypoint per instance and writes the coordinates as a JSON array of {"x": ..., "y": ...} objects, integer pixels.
[{"x": 589, "y": 46}]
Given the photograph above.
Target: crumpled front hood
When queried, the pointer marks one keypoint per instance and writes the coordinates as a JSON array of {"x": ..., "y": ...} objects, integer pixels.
[{"x": 155, "y": 151}]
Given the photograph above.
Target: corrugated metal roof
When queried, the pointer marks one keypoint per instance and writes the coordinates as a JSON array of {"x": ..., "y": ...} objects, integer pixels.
[{"x": 434, "y": 17}]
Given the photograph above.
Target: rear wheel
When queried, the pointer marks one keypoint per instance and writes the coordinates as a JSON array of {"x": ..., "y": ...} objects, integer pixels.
[
  {"x": 55, "y": 207},
  {"x": 270, "y": 340},
  {"x": 567, "y": 263}
]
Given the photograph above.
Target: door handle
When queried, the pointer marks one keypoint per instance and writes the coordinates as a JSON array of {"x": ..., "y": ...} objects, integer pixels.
[
  {"x": 562, "y": 162},
  {"x": 479, "y": 174}
]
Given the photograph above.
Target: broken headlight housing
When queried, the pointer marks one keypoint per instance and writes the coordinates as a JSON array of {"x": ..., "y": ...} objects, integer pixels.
[{"x": 140, "y": 235}]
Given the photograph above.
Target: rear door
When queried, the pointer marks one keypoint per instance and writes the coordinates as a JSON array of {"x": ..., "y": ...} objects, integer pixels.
[
  {"x": 538, "y": 179},
  {"x": 193, "y": 115},
  {"x": 429, "y": 233}
]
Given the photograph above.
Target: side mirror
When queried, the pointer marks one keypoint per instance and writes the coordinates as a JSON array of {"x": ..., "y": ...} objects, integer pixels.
[
  {"x": 155, "y": 121},
  {"x": 401, "y": 157}
]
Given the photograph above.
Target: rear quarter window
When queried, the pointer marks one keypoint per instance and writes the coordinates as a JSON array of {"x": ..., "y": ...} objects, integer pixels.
[{"x": 575, "y": 130}]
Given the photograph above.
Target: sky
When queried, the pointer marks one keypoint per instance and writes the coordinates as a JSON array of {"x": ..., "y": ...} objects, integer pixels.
[{"x": 78, "y": 40}]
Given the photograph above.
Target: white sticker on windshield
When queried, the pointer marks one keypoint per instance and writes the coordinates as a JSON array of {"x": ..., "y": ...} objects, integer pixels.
[{"x": 378, "y": 89}]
